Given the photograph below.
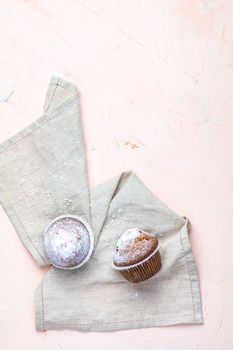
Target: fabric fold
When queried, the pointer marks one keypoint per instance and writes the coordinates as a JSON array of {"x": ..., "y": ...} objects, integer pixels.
[
  {"x": 43, "y": 169},
  {"x": 43, "y": 174}
]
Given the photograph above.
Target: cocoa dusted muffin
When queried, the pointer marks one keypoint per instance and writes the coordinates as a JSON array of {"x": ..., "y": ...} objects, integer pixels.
[{"x": 137, "y": 255}]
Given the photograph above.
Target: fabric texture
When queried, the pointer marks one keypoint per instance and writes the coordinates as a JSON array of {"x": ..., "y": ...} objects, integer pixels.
[{"x": 43, "y": 174}]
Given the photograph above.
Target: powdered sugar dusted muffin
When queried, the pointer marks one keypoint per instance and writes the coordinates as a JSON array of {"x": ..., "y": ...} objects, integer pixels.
[
  {"x": 137, "y": 255},
  {"x": 68, "y": 242}
]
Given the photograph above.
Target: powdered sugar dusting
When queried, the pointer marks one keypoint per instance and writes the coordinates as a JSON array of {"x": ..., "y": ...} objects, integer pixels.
[
  {"x": 130, "y": 235},
  {"x": 134, "y": 244},
  {"x": 67, "y": 242}
]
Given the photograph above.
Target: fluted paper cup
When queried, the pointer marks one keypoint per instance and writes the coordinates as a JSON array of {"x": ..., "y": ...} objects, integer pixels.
[{"x": 143, "y": 270}]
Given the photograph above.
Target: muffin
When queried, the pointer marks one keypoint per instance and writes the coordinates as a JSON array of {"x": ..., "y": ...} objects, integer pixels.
[
  {"x": 68, "y": 242},
  {"x": 137, "y": 255}
]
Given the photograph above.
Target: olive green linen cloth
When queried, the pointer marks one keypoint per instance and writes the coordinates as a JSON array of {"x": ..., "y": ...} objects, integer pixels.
[{"x": 43, "y": 174}]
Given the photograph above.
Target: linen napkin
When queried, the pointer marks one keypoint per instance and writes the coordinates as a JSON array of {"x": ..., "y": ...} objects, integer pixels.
[{"x": 43, "y": 174}]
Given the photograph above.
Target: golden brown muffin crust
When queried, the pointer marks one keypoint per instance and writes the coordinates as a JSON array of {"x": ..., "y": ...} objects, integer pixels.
[{"x": 134, "y": 246}]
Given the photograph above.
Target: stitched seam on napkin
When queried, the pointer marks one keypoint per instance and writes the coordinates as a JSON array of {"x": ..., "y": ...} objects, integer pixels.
[
  {"x": 18, "y": 218},
  {"x": 68, "y": 325},
  {"x": 189, "y": 274},
  {"x": 31, "y": 132},
  {"x": 39, "y": 126},
  {"x": 52, "y": 97},
  {"x": 17, "y": 142},
  {"x": 53, "y": 94},
  {"x": 58, "y": 324},
  {"x": 42, "y": 304}
]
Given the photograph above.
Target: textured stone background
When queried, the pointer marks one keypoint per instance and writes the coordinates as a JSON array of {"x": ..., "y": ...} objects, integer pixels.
[{"x": 156, "y": 84}]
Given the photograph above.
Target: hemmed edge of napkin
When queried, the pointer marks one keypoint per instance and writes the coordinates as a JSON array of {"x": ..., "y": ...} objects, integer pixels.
[
  {"x": 48, "y": 115},
  {"x": 192, "y": 272},
  {"x": 194, "y": 317},
  {"x": 19, "y": 137}
]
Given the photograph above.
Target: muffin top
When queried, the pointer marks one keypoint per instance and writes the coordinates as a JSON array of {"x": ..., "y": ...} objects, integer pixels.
[
  {"x": 67, "y": 242},
  {"x": 134, "y": 246}
]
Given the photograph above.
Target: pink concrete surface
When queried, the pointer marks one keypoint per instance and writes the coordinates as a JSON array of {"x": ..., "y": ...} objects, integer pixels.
[{"x": 156, "y": 84}]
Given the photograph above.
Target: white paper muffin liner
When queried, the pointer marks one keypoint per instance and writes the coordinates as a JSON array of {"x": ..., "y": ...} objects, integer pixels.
[{"x": 142, "y": 270}]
